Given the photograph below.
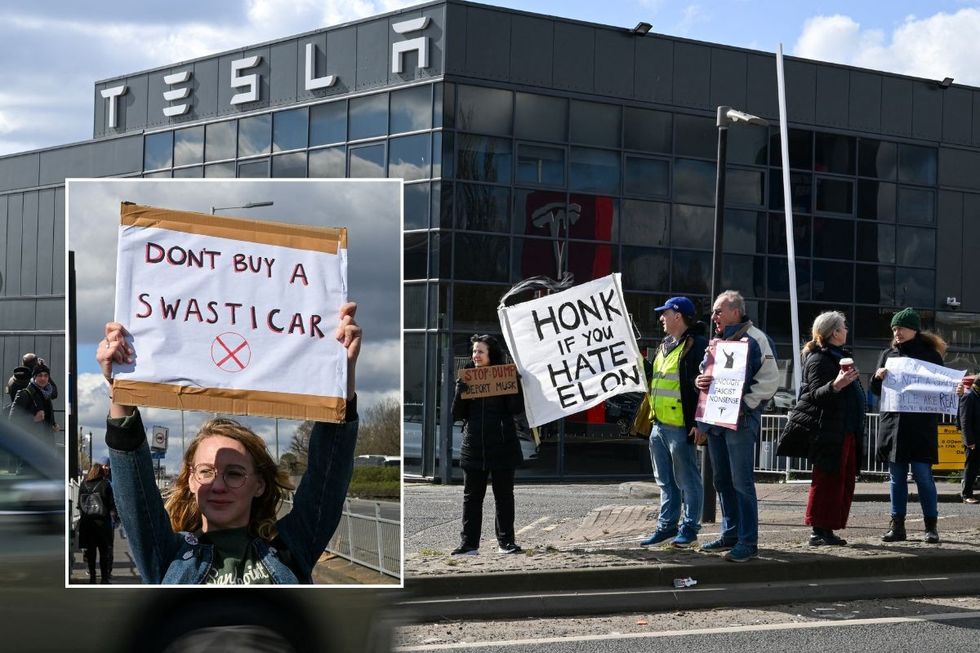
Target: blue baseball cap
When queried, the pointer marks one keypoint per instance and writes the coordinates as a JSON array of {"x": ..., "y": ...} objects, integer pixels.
[{"x": 682, "y": 305}]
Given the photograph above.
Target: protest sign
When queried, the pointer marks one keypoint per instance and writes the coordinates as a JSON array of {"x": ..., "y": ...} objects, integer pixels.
[
  {"x": 725, "y": 363},
  {"x": 914, "y": 386},
  {"x": 573, "y": 349},
  {"x": 230, "y": 315},
  {"x": 489, "y": 381}
]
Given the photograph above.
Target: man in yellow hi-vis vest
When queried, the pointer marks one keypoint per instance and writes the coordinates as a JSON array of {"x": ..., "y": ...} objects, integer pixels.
[{"x": 674, "y": 438}]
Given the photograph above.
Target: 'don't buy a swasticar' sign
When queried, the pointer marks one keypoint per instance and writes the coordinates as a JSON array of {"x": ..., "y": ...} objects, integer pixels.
[{"x": 231, "y": 315}]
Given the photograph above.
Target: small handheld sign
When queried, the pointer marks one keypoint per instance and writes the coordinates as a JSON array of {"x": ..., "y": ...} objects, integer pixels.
[
  {"x": 725, "y": 363},
  {"x": 489, "y": 381}
]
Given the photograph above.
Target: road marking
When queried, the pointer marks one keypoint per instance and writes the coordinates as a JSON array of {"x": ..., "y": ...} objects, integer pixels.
[
  {"x": 532, "y": 525},
  {"x": 835, "y": 623}
]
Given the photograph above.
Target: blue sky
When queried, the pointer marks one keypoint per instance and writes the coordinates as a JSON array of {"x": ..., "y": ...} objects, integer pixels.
[{"x": 51, "y": 53}]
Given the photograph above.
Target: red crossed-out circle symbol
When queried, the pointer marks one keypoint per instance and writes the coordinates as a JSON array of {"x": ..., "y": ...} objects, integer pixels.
[{"x": 231, "y": 352}]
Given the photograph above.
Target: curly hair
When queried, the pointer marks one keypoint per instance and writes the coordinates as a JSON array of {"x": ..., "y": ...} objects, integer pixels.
[{"x": 182, "y": 505}]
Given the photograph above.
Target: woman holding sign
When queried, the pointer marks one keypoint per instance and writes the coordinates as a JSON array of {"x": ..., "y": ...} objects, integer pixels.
[
  {"x": 219, "y": 524},
  {"x": 909, "y": 440},
  {"x": 490, "y": 451}
]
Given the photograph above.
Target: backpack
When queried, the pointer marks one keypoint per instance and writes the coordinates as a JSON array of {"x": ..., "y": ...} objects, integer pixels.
[{"x": 90, "y": 504}]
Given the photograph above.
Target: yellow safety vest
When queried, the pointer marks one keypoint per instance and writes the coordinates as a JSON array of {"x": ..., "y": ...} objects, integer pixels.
[{"x": 665, "y": 388}]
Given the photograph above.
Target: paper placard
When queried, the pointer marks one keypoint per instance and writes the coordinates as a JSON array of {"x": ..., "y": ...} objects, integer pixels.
[
  {"x": 915, "y": 386},
  {"x": 489, "y": 381},
  {"x": 725, "y": 363}
]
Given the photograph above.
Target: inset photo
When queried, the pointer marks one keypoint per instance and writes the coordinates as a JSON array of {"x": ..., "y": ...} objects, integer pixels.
[{"x": 235, "y": 347}]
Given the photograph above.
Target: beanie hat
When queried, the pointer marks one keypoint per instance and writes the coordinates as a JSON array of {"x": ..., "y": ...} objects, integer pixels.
[
  {"x": 40, "y": 368},
  {"x": 908, "y": 318}
]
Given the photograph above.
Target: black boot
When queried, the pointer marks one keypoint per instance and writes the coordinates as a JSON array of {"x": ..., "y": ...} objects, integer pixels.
[
  {"x": 932, "y": 535},
  {"x": 896, "y": 530}
]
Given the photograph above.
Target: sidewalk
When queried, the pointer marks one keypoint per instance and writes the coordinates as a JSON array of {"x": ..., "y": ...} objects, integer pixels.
[
  {"x": 592, "y": 546},
  {"x": 123, "y": 569}
]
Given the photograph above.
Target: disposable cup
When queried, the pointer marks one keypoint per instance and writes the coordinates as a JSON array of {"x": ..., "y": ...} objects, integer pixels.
[{"x": 847, "y": 364}]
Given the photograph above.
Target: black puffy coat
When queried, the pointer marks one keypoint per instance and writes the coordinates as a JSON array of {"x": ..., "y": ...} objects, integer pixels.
[
  {"x": 908, "y": 437},
  {"x": 489, "y": 431}
]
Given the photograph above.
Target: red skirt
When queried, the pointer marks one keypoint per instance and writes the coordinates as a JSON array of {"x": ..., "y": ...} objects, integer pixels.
[{"x": 829, "y": 503}]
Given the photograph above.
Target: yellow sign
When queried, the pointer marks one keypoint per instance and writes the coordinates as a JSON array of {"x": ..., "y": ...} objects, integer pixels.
[{"x": 952, "y": 456}]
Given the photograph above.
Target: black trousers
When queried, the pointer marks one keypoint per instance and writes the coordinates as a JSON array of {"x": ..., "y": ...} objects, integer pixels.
[
  {"x": 98, "y": 540},
  {"x": 970, "y": 471},
  {"x": 474, "y": 490}
]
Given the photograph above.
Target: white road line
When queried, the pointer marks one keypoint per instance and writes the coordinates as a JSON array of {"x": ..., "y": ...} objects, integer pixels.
[
  {"x": 951, "y": 616},
  {"x": 532, "y": 525}
]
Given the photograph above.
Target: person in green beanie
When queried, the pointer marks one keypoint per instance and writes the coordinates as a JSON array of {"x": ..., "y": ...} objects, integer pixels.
[{"x": 909, "y": 441}]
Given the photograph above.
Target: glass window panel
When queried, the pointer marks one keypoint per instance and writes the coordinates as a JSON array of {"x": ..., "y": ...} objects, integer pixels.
[
  {"x": 484, "y": 159},
  {"x": 647, "y": 177},
  {"x": 800, "y": 149},
  {"x": 482, "y": 208},
  {"x": 692, "y": 226},
  {"x": 917, "y": 165},
  {"x": 916, "y": 206},
  {"x": 537, "y": 256},
  {"x": 802, "y": 234},
  {"x": 877, "y": 159},
  {"x": 872, "y": 323},
  {"x": 440, "y": 254},
  {"x": 330, "y": 162},
  {"x": 777, "y": 281},
  {"x": 593, "y": 123},
  {"x": 835, "y": 195},
  {"x": 833, "y": 238},
  {"x": 538, "y": 164},
  {"x": 778, "y": 320},
  {"x": 219, "y": 140},
  {"x": 644, "y": 223},
  {"x": 368, "y": 116},
  {"x": 645, "y": 268},
  {"x": 541, "y": 117},
  {"x": 694, "y": 181},
  {"x": 475, "y": 307},
  {"x": 254, "y": 135},
  {"x": 367, "y": 161},
  {"x": 915, "y": 287},
  {"x": 481, "y": 257},
  {"x": 834, "y": 153},
  {"x": 650, "y": 131},
  {"x": 592, "y": 217},
  {"x": 411, "y": 109},
  {"x": 415, "y": 257},
  {"x": 438, "y": 104},
  {"x": 540, "y": 213},
  {"x": 414, "y": 303},
  {"x": 158, "y": 150},
  {"x": 595, "y": 171},
  {"x": 875, "y": 285},
  {"x": 748, "y": 144},
  {"x": 695, "y": 136},
  {"x": 258, "y": 169},
  {"x": 224, "y": 170},
  {"x": 189, "y": 173},
  {"x": 916, "y": 246},
  {"x": 876, "y": 201},
  {"x": 875, "y": 242},
  {"x": 289, "y": 129},
  {"x": 745, "y": 232},
  {"x": 163, "y": 174},
  {"x": 328, "y": 123},
  {"x": 436, "y": 155},
  {"x": 409, "y": 157},
  {"x": 747, "y": 273},
  {"x": 442, "y": 205},
  {"x": 289, "y": 165},
  {"x": 833, "y": 281},
  {"x": 189, "y": 146},
  {"x": 745, "y": 187},
  {"x": 588, "y": 261},
  {"x": 690, "y": 273},
  {"x": 416, "y": 206},
  {"x": 484, "y": 110},
  {"x": 800, "y": 188}
]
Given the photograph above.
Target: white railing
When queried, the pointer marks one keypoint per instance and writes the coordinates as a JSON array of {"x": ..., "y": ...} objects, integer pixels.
[{"x": 372, "y": 541}]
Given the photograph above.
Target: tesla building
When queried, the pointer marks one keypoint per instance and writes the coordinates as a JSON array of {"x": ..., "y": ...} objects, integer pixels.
[{"x": 534, "y": 145}]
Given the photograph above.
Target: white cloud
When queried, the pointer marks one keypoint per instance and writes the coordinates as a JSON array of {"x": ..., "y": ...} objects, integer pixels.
[{"x": 937, "y": 46}]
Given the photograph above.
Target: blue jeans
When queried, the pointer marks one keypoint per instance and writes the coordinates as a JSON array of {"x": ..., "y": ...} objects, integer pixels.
[
  {"x": 732, "y": 457},
  {"x": 675, "y": 467},
  {"x": 899, "y": 489}
]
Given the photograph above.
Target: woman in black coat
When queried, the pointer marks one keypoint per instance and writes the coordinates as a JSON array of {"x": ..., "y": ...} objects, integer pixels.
[
  {"x": 490, "y": 451},
  {"x": 96, "y": 507},
  {"x": 909, "y": 440}
]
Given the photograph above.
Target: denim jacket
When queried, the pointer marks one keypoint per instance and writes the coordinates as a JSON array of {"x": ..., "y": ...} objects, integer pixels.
[{"x": 163, "y": 556}]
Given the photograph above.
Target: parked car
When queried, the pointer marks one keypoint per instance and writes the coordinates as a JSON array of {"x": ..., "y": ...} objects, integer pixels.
[{"x": 412, "y": 437}]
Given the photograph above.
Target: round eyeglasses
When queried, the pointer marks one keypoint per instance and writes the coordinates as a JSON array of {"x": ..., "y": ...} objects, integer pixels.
[{"x": 233, "y": 477}]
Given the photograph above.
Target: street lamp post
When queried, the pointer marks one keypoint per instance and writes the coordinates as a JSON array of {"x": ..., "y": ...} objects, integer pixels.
[
  {"x": 246, "y": 205},
  {"x": 726, "y": 117}
]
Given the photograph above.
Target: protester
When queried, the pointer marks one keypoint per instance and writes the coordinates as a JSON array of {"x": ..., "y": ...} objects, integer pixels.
[
  {"x": 96, "y": 507},
  {"x": 22, "y": 376},
  {"x": 732, "y": 452},
  {"x": 219, "y": 524},
  {"x": 670, "y": 408},
  {"x": 909, "y": 440},
  {"x": 830, "y": 412},
  {"x": 490, "y": 451},
  {"x": 32, "y": 405},
  {"x": 969, "y": 414}
]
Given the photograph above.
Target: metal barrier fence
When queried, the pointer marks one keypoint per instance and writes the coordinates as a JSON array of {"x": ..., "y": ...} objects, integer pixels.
[{"x": 372, "y": 541}]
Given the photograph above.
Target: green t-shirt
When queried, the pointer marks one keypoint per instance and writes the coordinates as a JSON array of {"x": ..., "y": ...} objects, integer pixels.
[{"x": 234, "y": 560}]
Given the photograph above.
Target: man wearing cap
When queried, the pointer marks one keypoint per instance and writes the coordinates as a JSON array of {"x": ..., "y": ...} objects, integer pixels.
[
  {"x": 733, "y": 451},
  {"x": 670, "y": 407}
]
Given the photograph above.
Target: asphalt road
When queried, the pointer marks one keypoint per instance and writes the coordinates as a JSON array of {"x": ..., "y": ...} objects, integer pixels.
[{"x": 389, "y": 509}]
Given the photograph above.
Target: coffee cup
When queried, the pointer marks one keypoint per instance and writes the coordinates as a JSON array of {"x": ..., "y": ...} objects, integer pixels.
[
  {"x": 968, "y": 382},
  {"x": 847, "y": 364}
]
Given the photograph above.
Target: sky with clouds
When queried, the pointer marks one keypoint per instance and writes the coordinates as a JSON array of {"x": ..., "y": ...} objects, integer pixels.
[
  {"x": 54, "y": 51},
  {"x": 369, "y": 209}
]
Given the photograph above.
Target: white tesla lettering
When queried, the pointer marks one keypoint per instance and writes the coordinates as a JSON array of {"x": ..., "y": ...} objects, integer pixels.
[
  {"x": 313, "y": 82},
  {"x": 177, "y": 93},
  {"x": 251, "y": 82},
  {"x": 420, "y": 43},
  {"x": 111, "y": 94}
]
